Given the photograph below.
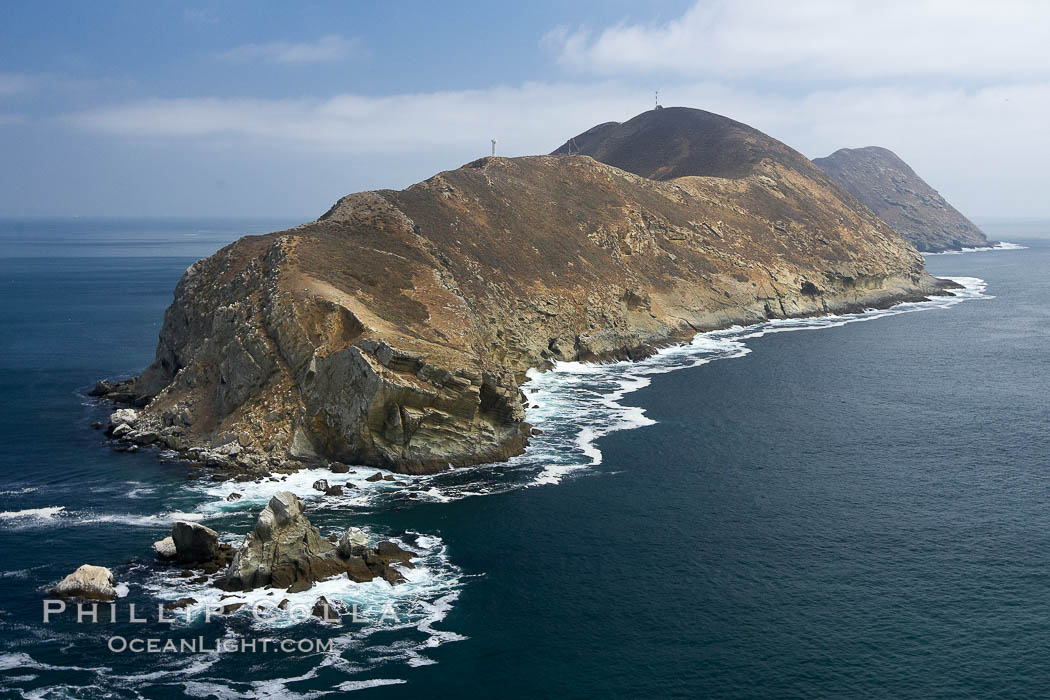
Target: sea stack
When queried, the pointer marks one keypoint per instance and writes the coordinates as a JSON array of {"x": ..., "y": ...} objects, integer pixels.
[
  {"x": 395, "y": 330},
  {"x": 889, "y": 187}
]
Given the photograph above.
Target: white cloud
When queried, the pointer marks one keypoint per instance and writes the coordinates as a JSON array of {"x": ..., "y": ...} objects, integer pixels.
[
  {"x": 328, "y": 48},
  {"x": 959, "y": 90},
  {"x": 986, "y": 148},
  {"x": 823, "y": 40},
  {"x": 525, "y": 118}
]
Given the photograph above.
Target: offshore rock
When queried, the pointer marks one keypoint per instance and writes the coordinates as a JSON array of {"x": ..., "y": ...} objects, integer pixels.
[
  {"x": 91, "y": 582},
  {"x": 364, "y": 564},
  {"x": 283, "y": 549},
  {"x": 324, "y": 610},
  {"x": 194, "y": 543},
  {"x": 165, "y": 548},
  {"x": 395, "y": 330},
  {"x": 354, "y": 542}
]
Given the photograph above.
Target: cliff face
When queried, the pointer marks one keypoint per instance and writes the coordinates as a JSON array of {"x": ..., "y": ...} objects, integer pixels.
[
  {"x": 395, "y": 329},
  {"x": 886, "y": 185}
]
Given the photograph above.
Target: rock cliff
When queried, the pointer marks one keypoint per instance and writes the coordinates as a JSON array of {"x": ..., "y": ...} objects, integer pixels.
[
  {"x": 395, "y": 330},
  {"x": 886, "y": 185}
]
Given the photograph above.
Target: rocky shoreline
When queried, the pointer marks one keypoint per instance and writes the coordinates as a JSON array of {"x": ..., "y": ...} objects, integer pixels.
[{"x": 132, "y": 429}]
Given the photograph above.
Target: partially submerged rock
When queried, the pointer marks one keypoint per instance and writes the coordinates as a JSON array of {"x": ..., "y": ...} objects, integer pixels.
[
  {"x": 366, "y": 564},
  {"x": 300, "y": 586},
  {"x": 354, "y": 542},
  {"x": 357, "y": 570},
  {"x": 324, "y": 610},
  {"x": 88, "y": 581},
  {"x": 380, "y": 561},
  {"x": 102, "y": 388},
  {"x": 124, "y": 419},
  {"x": 388, "y": 552},
  {"x": 194, "y": 543},
  {"x": 125, "y": 391},
  {"x": 165, "y": 548}
]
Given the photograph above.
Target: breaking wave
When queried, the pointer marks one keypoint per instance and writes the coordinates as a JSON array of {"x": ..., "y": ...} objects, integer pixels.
[
  {"x": 358, "y": 492},
  {"x": 998, "y": 246},
  {"x": 60, "y": 517},
  {"x": 31, "y": 514}
]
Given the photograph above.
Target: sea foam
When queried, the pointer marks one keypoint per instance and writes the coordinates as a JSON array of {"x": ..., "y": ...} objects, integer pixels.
[
  {"x": 47, "y": 513},
  {"x": 983, "y": 249},
  {"x": 254, "y": 495}
]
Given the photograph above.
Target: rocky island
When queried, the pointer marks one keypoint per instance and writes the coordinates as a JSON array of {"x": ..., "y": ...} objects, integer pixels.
[
  {"x": 889, "y": 187},
  {"x": 396, "y": 329}
]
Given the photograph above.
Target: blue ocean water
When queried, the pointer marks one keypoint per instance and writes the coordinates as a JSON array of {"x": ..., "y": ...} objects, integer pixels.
[{"x": 856, "y": 510}]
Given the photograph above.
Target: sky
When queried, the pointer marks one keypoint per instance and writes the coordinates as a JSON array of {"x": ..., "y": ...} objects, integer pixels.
[{"x": 267, "y": 109}]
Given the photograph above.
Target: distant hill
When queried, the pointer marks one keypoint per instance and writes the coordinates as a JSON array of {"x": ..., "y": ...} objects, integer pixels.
[
  {"x": 671, "y": 142},
  {"x": 886, "y": 185}
]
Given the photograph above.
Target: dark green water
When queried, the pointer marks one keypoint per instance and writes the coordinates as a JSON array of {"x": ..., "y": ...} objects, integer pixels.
[{"x": 856, "y": 511}]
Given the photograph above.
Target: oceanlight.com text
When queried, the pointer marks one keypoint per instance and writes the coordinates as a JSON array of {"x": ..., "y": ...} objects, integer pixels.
[{"x": 154, "y": 645}]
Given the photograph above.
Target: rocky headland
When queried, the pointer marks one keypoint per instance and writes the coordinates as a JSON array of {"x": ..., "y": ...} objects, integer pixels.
[
  {"x": 889, "y": 187},
  {"x": 395, "y": 330}
]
